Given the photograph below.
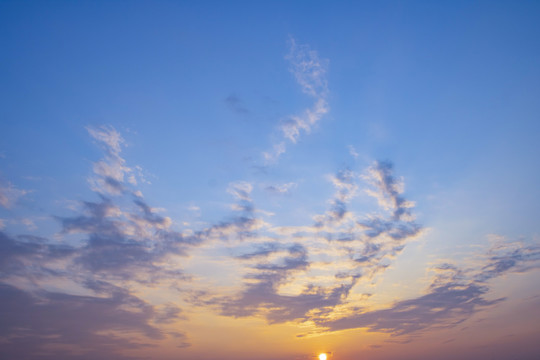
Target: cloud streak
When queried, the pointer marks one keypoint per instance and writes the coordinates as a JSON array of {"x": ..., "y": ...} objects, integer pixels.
[
  {"x": 454, "y": 295},
  {"x": 310, "y": 73}
]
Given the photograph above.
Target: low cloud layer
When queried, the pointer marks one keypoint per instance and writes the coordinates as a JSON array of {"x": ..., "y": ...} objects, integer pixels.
[
  {"x": 454, "y": 295},
  {"x": 306, "y": 274}
]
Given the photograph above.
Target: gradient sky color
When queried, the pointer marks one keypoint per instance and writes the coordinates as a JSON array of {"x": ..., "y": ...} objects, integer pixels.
[{"x": 269, "y": 180}]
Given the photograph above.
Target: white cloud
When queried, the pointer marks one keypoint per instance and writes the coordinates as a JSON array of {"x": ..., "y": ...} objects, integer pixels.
[
  {"x": 109, "y": 137},
  {"x": 308, "y": 69},
  {"x": 241, "y": 190},
  {"x": 111, "y": 172},
  {"x": 310, "y": 73},
  {"x": 353, "y": 152}
]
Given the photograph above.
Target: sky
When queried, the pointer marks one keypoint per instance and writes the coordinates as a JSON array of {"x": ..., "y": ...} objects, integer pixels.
[{"x": 269, "y": 180}]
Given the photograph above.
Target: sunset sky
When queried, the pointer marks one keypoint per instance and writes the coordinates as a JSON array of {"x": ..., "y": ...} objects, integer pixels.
[{"x": 269, "y": 180}]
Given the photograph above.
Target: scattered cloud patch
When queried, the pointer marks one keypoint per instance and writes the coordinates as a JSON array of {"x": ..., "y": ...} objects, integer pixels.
[
  {"x": 9, "y": 194},
  {"x": 353, "y": 151},
  {"x": 236, "y": 104}
]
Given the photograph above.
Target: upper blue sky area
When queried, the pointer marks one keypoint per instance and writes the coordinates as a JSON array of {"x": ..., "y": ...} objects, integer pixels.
[{"x": 448, "y": 91}]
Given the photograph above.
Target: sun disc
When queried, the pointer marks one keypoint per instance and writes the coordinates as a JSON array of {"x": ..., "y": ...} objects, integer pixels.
[{"x": 322, "y": 356}]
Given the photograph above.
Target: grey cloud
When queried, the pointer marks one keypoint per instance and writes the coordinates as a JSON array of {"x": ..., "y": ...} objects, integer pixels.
[
  {"x": 48, "y": 325},
  {"x": 346, "y": 186},
  {"x": 260, "y": 294},
  {"x": 28, "y": 255},
  {"x": 397, "y": 230},
  {"x": 263, "y": 250},
  {"x": 519, "y": 258},
  {"x": 168, "y": 314},
  {"x": 371, "y": 245},
  {"x": 118, "y": 242},
  {"x": 95, "y": 219},
  {"x": 236, "y": 104},
  {"x": 444, "y": 305},
  {"x": 454, "y": 296},
  {"x": 369, "y": 251},
  {"x": 374, "y": 239},
  {"x": 9, "y": 194},
  {"x": 282, "y": 189},
  {"x": 149, "y": 216},
  {"x": 388, "y": 189},
  {"x": 114, "y": 185}
]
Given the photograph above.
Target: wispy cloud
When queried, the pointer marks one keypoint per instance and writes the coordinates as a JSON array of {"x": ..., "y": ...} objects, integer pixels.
[
  {"x": 9, "y": 194},
  {"x": 236, "y": 104},
  {"x": 353, "y": 152},
  {"x": 281, "y": 189},
  {"x": 110, "y": 173},
  {"x": 454, "y": 295},
  {"x": 310, "y": 73}
]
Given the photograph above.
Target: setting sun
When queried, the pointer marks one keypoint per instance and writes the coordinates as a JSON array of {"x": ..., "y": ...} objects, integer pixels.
[{"x": 322, "y": 356}]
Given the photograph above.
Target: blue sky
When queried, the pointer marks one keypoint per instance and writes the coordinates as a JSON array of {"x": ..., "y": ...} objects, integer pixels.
[{"x": 302, "y": 173}]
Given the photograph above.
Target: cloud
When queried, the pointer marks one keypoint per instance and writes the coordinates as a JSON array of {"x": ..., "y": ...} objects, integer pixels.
[
  {"x": 345, "y": 183},
  {"x": 274, "y": 154},
  {"x": 353, "y": 152},
  {"x": 454, "y": 295},
  {"x": 310, "y": 73},
  {"x": 109, "y": 173},
  {"x": 236, "y": 104},
  {"x": 444, "y": 305},
  {"x": 128, "y": 244},
  {"x": 109, "y": 138},
  {"x": 506, "y": 257},
  {"x": 240, "y": 226},
  {"x": 278, "y": 283},
  {"x": 169, "y": 313},
  {"x": 101, "y": 251},
  {"x": 261, "y": 296},
  {"x": 29, "y": 256},
  {"x": 370, "y": 240},
  {"x": 388, "y": 189},
  {"x": 308, "y": 69},
  {"x": 9, "y": 194},
  {"x": 281, "y": 189},
  {"x": 52, "y": 325},
  {"x": 241, "y": 190}
]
